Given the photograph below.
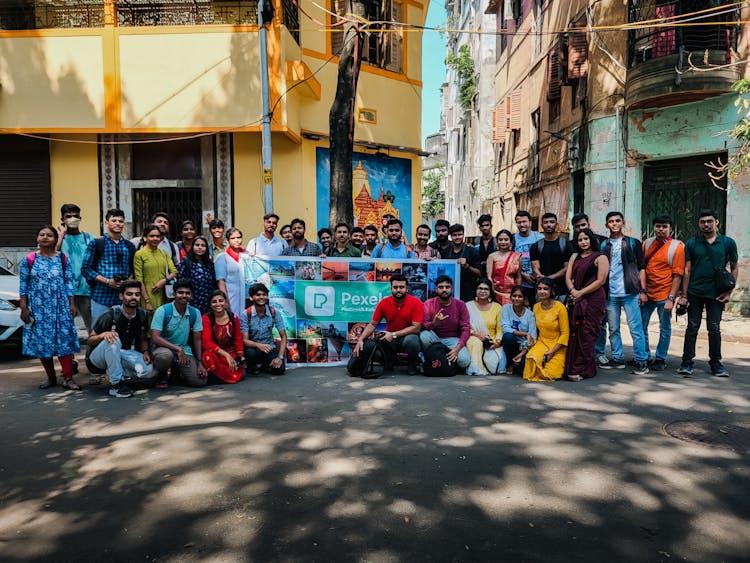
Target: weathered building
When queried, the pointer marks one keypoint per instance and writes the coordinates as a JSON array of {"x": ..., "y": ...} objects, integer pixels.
[{"x": 96, "y": 87}]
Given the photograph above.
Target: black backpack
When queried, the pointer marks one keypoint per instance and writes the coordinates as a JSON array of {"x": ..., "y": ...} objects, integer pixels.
[
  {"x": 370, "y": 358},
  {"x": 436, "y": 362}
]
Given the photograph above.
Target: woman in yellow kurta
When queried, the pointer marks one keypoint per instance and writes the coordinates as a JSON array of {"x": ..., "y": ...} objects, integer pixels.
[
  {"x": 486, "y": 331},
  {"x": 546, "y": 359},
  {"x": 150, "y": 266}
]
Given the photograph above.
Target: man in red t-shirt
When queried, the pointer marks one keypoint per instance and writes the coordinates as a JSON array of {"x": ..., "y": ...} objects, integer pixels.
[{"x": 403, "y": 314}]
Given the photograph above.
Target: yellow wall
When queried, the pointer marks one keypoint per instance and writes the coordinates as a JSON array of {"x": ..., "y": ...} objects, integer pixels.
[
  {"x": 50, "y": 82},
  {"x": 74, "y": 178},
  {"x": 190, "y": 80}
]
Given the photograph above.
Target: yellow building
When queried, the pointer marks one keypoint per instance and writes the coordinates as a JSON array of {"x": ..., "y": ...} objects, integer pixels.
[{"x": 95, "y": 88}]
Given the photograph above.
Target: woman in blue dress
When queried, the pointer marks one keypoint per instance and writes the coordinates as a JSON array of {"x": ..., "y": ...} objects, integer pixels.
[
  {"x": 198, "y": 267},
  {"x": 48, "y": 308}
]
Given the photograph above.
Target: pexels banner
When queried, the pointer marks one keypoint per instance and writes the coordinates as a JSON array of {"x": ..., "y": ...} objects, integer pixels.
[{"x": 326, "y": 302}]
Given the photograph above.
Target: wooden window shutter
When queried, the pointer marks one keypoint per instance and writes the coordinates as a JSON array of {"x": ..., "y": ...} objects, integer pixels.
[
  {"x": 395, "y": 51},
  {"x": 554, "y": 82},
  {"x": 515, "y": 109},
  {"x": 337, "y": 33},
  {"x": 578, "y": 55},
  {"x": 499, "y": 123}
]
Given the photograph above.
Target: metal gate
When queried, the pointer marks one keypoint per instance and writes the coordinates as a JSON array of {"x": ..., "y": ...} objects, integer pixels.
[
  {"x": 180, "y": 203},
  {"x": 680, "y": 188}
]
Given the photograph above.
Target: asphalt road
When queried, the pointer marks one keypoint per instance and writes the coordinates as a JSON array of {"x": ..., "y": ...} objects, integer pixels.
[{"x": 315, "y": 466}]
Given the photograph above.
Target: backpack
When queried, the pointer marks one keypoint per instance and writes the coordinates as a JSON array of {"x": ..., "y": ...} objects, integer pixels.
[
  {"x": 99, "y": 252},
  {"x": 364, "y": 364},
  {"x": 31, "y": 256},
  {"x": 674, "y": 244},
  {"x": 436, "y": 362},
  {"x": 560, "y": 240},
  {"x": 116, "y": 316},
  {"x": 271, "y": 308}
]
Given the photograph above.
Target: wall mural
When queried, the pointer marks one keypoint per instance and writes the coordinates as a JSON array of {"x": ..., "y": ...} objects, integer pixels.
[{"x": 381, "y": 189}]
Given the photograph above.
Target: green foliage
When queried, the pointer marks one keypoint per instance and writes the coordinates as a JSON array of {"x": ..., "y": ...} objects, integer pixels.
[
  {"x": 433, "y": 201},
  {"x": 740, "y": 161},
  {"x": 463, "y": 62}
]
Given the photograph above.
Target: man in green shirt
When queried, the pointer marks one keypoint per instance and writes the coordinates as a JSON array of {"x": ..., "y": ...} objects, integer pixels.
[
  {"x": 705, "y": 255},
  {"x": 342, "y": 247}
]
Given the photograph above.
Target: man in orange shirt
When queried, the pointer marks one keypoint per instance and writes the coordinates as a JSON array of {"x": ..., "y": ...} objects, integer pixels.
[{"x": 665, "y": 266}]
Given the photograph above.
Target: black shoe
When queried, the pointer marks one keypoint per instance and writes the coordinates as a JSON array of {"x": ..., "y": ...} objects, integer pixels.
[
  {"x": 658, "y": 365},
  {"x": 616, "y": 364},
  {"x": 686, "y": 369},
  {"x": 640, "y": 368},
  {"x": 719, "y": 370},
  {"x": 121, "y": 391}
]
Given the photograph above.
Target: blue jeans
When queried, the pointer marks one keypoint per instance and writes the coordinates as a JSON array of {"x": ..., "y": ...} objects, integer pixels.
[
  {"x": 120, "y": 363},
  {"x": 97, "y": 310},
  {"x": 428, "y": 337},
  {"x": 665, "y": 327},
  {"x": 635, "y": 325}
]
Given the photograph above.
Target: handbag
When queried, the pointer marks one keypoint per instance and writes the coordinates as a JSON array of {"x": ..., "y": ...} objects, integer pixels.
[{"x": 169, "y": 285}]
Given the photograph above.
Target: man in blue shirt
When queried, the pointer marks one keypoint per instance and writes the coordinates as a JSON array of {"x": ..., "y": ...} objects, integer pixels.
[
  {"x": 258, "y": 322},
  {"x": 73, "y": 243},
  {"x": 108, "y": 262},
  {"x": 171, "y": 330},
  {"x": 267, "y": 243},
  {"x": 394, "y": 247},
  {"x": 627, "y": 290},
  {"x": 524, "y": 239}
]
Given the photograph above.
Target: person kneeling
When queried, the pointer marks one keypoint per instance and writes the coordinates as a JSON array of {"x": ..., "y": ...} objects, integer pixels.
[
  {"x": 118, "y": 343},
  {"x": 223, "y": 355},
  {"x": 403, "y": 315},
  {"x": 176, "y": 333},
  {"x": 446, "y": 320},
  {"x": 258, "y": 322}
]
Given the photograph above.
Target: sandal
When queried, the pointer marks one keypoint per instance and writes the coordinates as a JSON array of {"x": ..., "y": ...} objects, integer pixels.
[
  {"x": 71, "y": 385},
  {"x": 575, "y": 377},
  {"x": 49, "y": 384}
]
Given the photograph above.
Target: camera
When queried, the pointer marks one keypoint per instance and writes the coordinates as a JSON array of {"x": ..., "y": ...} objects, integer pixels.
[
  {"x": 119, "y": 277},
  {"x": 680, "y": 309},
  {"x": 487, "y": 343}
]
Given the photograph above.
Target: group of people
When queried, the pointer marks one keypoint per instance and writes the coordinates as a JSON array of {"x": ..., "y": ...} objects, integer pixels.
[
  {"x": 541, "y": 305},
  {"x": 530, "y": 303}
]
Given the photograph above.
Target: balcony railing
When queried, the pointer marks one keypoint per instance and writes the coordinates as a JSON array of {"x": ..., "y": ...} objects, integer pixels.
[
  {"x": 23, "y": 14},
  {"x": 132, "y": 13},
  {"x": 649, "y": 43}
]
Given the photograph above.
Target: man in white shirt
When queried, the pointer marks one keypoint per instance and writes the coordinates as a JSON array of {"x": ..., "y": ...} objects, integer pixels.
[{"x": 267, "y": 243}]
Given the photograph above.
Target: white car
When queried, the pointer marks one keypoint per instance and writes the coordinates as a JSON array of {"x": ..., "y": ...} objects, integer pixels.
[{"x": 11, "y": 326}]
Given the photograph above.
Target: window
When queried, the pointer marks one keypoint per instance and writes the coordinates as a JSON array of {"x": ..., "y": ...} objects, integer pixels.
[
  {"x": 383, "y": 49},
  {"x": 554, "y": 110}
]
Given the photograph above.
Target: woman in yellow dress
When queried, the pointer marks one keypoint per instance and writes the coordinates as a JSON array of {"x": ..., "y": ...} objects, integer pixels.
[
  {"x": 150, "y": 266},
  {"x": 545, "y": 361}
]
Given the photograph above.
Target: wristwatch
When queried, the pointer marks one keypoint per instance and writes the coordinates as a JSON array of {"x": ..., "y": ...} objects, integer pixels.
[
  {"x": 643, "y": 290},
  {"x": 671, "y": 298}
]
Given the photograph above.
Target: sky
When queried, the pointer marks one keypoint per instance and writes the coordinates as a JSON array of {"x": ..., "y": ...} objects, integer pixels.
[{"x": 433, "y": 68}]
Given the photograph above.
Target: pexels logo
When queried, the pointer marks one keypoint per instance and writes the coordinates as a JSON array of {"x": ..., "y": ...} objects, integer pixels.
[{"x": 320, "y": 301}]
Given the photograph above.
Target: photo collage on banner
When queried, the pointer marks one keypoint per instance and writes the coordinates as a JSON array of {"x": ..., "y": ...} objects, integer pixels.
[{"x": 326, "y": 303}]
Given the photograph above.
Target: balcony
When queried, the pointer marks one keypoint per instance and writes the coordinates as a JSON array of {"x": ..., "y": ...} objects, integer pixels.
[{"x": 660, "y": 58}]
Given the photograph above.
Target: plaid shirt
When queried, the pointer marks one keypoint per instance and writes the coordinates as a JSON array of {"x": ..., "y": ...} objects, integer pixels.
[
  {"x": 114, "y": 261},
  {"x": 310, "y": 249}
]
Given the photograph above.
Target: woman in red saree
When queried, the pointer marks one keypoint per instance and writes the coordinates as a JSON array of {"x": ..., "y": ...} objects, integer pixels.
[
  {"x": 504, "y": 267},
  {"x": 222, "y": 341},
  {"x": 586, "y": 275}
]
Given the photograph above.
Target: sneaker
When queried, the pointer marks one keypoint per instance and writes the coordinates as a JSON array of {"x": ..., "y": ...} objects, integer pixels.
[
  {"x": 719, "y": 370},
  {"x": 617, "y": 364},
  {"x": 658, "y": 365},
  {"x": 120, "y": 391},
  {"x": 641, "y": 368},
  {"x": 686, "y": 368},
  {"x": 603, "y": 362},
  {"x": 162, "y": 384}
]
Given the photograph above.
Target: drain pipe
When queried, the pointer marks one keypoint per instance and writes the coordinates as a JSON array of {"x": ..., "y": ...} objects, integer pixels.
[
  {"x": 266, "y": 105},
  {"x": 617, "y": 159}
]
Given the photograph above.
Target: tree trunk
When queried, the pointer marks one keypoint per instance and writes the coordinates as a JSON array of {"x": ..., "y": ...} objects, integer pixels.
[{"x": 341, "y": 123}]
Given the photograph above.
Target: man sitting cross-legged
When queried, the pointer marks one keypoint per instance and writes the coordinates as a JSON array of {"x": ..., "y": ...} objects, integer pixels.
[
  {"x": 118, "y": 342},
  {"x": 446, "y": 320},
  {"x": 403, "y": 319}
]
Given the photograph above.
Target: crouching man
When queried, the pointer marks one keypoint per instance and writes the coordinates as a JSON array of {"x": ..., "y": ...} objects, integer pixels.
[
  {"x": 176, "y": 333},
  {"x": 403, "y": 315},
  {"x": 118, "y": 343},
  {"x": 258, "y": 322}
]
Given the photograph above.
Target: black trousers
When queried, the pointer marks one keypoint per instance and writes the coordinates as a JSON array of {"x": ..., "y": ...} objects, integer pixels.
[{"x": 714, "y": 309}]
